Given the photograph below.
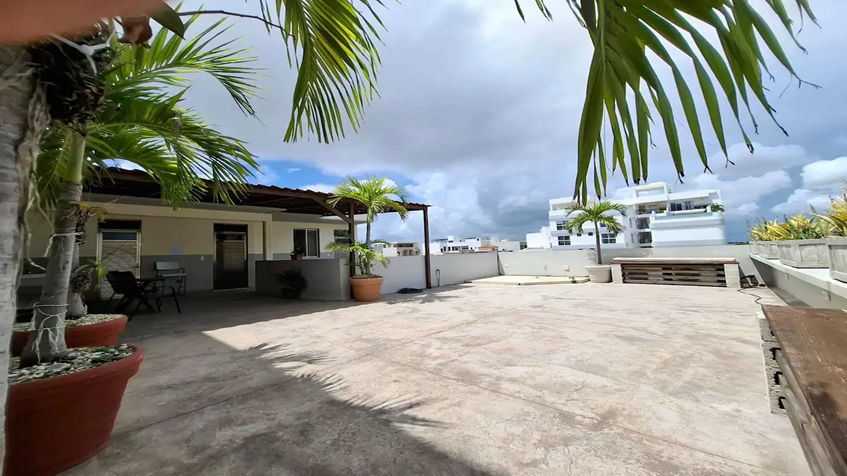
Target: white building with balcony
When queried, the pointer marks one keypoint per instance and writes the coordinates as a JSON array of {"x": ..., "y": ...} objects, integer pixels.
[
  {"x": 397, "y": 249},
  {"x": 472, "y": 244},
  {"x": 656, "y": 217}
]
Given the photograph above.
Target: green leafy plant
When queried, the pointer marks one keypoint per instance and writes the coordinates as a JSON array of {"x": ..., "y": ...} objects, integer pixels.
[
  {"x": 759, "y": 231},
  {"x": 365, "y": 257},
  {"x": 630, "y": 36},
  {"x": 836, "y": 216},
  {"x": 797, "y": 227},
  {"x": 131, "y": 112},
  {"x": 292, "y": 283},
  {"x": 715, "y": 207},
  {"x": 598, "y": 214}
]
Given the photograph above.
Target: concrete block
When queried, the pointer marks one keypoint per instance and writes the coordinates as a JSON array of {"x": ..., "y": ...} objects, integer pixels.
[
  {"x": 733, "y": 276},
  {"x": 617, "y": 274},
  {"x": 775, "y": 397},
  {"x": 768, "y": 353},
  {"x": 765, "y": 331}
]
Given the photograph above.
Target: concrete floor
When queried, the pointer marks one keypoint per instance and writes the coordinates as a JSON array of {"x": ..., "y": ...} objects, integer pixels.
[{"x": 469, "y": 380}]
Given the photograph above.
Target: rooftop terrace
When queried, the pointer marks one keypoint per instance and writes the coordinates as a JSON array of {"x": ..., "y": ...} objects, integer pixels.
[{"x": 475, "y": 379}]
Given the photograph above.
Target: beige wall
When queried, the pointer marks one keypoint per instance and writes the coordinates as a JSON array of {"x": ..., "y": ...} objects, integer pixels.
[{"x": 283, "y": 236}]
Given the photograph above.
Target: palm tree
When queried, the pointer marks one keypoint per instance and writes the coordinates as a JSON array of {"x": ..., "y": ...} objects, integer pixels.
[
  {"x": 600, "y": 213},
  {"x": 377, "y": 195},
  {"x": 365, "y": 256},
  {"x": 141, "y": 121}
]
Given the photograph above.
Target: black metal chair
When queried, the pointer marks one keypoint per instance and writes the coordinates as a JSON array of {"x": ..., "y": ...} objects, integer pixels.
[{"x": 125, "y": 284}]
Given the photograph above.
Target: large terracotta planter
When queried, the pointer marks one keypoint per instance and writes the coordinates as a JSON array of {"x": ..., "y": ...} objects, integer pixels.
[
  {"x": 366, "y": 289},
  {"x": 804, "y": 253},
  {"x": 91, "y": 335},
  {"x": 56, "y": 423}
]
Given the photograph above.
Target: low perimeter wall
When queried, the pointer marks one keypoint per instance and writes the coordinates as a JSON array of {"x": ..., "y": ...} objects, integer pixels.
[
  {"x": 328, "y": 278},
  {"x": 408, "y": 271},
  {"x": 573, "y": 262}
]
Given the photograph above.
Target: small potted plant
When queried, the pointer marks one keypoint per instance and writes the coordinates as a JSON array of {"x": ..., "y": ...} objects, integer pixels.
[
  {"x": 292, "y": 283},
  {"x": 716, "y": 207},
  {"x": 297, "y": 253}
]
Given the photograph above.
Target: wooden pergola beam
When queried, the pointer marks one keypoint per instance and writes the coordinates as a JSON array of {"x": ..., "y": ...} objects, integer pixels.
[{"x": 334, "y": 210}]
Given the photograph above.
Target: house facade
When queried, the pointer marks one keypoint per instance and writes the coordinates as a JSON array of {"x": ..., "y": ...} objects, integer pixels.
[
  {"x": 217, "y": 244},
  {"x": 391, "y": 250},
  {"x": 656, "y": 217}
]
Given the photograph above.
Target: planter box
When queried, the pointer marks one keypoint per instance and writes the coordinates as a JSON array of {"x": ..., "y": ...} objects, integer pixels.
[
  {"x": 754, "y": 247},
  {"x": 837, "y": 248},
  {"x": 768, "y": 249},
  {"x": 804, "y": 253}
]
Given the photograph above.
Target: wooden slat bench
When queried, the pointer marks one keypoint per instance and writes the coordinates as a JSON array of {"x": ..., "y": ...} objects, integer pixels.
[
  {"x": 812, "y": 359},
  {"x": 720, "y": 272}
]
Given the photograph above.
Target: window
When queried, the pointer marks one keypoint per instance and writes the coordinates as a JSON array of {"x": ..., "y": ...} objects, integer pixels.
[
  {"x": 590, "y": 233},
  {"x": 308, "y": 241},
  {"x": 579, "y": 234},
  {"x": 688, "y": 205},
  {"x": 675, "y": 207},
  {"x": 564, "y": 241},
  {"x": 561, "y": 225},
  {"x": 608, "y": 238}
]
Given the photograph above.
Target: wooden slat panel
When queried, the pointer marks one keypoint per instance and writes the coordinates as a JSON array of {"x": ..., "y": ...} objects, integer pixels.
[{"x": 813, "y": 345}]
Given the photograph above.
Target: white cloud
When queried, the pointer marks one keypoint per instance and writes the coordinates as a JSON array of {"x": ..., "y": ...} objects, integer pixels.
[
  {"x": 740, "y": 196},
  {"x": 801, "y": 201},
  {"x": 826, "y": 175},
  {"x": 762, "y": 160},
  {"x": 266, "y": 176},
  {"x": 319, "y": 187},
  {"x": 293, "y": 169}
]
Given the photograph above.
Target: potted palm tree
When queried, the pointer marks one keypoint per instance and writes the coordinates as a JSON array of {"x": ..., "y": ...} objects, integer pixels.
[
  {"x": 117, "y": 103},
  {"x": 378, "y": 196},
  {"x": 366, "y": 285},
  {"x": 600, "y": 213}
]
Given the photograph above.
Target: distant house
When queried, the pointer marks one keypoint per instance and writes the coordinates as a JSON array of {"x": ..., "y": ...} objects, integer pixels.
[{"x": 488, "y": 248}]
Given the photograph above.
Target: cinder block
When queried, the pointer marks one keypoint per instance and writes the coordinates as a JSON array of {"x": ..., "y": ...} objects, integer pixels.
[
  {"x": 765, "y": 331},
  {"x": 774, "y": 376},
  {"x": 733, "y": 276},
  {"x": 768, "y": 353},
  {"x": 775, "y": 396}
]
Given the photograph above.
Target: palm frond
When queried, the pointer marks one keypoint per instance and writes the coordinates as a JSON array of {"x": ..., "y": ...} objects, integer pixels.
[
  {"x": 171, "y": 61},
  {"x": 374, "y": 193},
  {"x": 625, "y": 32},
  {"x": 597, "y": 213}
]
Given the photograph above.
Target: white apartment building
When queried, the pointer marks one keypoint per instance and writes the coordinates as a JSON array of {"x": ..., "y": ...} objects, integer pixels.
[
  {"x": 472, "y": 244},
  {"x": 656, "y": 217},
  {"x": 397, "y": 249}
]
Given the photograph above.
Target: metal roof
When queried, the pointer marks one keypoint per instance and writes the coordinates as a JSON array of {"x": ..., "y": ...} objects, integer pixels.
[{"x": 137, "y": 183}]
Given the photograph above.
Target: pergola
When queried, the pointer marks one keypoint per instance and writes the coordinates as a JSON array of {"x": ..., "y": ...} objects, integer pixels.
[{"x": 138, "y": 184}]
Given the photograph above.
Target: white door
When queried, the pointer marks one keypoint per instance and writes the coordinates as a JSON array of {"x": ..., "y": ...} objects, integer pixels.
[{"x": 119, "y": 251}]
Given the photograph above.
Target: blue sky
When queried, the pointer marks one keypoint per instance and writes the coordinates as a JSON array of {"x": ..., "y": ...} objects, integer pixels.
[{"x": 478, "y": 115}]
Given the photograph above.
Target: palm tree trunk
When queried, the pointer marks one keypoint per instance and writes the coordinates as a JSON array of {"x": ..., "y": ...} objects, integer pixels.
[
  {"x": 76, "y": 306},
  {"x": 23, "y": 117},
  {"x": 47, "y": 340},
  {"x": 597, "y": 238},
  {"x": 367, "y": 243}
]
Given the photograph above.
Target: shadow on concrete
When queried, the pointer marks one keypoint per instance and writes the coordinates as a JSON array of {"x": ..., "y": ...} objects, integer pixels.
[{"x": 209, "y": 417}]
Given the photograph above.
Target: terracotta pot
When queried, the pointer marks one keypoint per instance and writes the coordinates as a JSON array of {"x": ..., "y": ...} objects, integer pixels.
[
  {"x": 59, "y": 422},
  {"x": 91, "y": 335},
  {"x": 366, "y": 289}
]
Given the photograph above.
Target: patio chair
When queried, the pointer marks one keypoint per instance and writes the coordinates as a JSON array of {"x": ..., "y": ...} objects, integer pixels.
[
  {"x": 172, "y": 269},
  {"x": 125, "y": 284}
]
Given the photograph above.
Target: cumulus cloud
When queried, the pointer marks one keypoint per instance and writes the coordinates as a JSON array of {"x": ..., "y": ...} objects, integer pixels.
[
  {"x": 801, "y": 201},
  {"x": 740, "y": 196},
  {"x": 825, "y": 174},
  {"x": 480, "y": 112},
  {"x": 266, "y": 176}
]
